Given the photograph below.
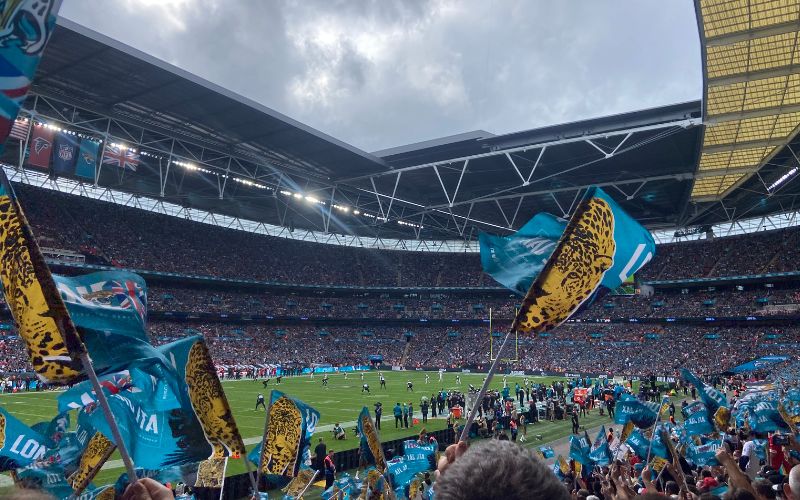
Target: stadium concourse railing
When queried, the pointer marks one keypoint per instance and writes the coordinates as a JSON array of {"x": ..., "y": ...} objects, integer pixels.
[{"x": 238, "y": 486}]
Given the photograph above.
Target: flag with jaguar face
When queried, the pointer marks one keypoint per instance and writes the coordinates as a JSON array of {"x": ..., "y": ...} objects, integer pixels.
[{"x": 599, "y": 249}]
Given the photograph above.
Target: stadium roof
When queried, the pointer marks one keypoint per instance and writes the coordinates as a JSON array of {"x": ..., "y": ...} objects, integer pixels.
[{"x": 205, "y": 147}]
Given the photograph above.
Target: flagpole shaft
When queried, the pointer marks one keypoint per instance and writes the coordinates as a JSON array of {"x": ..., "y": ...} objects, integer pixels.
[
  {"x": 263, "y": 435},
  {"x": 112, "y": 423},
  {"x": 249, "y": 467},
  {"x": 482, "y": 393},
  {"x": 316, "y": 473},
  {"x": 652, "y": 433}
]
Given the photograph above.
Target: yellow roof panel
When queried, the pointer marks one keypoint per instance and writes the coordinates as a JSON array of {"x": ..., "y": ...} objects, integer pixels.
[
  {"x": 754, "y": 71},
  {"x": 742, "y": 158},
  {"x": 715, "y": 185},
  {"x": 722, "y": 17},
  {"x": 762, "y": 128},
  {"x": 753, "y": 95},
  {"x": 757, "y": 54}
]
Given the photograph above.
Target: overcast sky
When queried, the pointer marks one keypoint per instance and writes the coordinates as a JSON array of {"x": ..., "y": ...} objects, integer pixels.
[{"x": 381, "y": 73}]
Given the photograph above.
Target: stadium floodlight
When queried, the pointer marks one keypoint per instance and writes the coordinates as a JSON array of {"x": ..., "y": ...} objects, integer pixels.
[
  {"x": 356, "y": 212},
  {"x": 286, "y": 193},
  {"x": 785, "y": 177},
  {"x": 297, "y": 195},
  {"x": 312, "y": 199}
]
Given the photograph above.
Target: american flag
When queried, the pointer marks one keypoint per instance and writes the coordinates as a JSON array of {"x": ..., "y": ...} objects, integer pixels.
[
  {"x": 122, "y": 158},
  {"x": 19, "y": 130},
  {"x": 129, "y": 296}
]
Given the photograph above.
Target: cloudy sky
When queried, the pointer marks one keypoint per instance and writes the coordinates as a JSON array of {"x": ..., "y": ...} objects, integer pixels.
[{"x": 385, "y": 73}]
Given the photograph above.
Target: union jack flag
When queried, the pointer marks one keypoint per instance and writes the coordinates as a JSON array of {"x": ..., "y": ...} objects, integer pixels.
[
  {"x": 122, "y": 158},
  {"x": 129, "y": 295}
]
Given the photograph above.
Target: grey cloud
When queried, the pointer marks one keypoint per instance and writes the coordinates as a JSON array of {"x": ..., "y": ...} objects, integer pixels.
[{"x": 381, "y": 73}]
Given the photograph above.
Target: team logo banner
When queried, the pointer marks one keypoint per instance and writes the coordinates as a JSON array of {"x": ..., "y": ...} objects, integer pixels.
[
  {"x": 286, "y": 444},
  {"x": 600, "y": 247},
  {"x": 44, "y": 325},
  {"x": 370, "y": 449}
]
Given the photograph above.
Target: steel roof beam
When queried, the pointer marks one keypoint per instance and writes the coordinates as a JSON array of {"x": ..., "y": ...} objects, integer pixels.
[
  {"x": 749, "y": 76},
  {"x": 753, "y": 33},
  {"x": 685, "y": 123}
]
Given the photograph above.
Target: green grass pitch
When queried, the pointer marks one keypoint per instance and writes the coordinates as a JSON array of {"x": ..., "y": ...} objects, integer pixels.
[{"x": 341, "y": 402}]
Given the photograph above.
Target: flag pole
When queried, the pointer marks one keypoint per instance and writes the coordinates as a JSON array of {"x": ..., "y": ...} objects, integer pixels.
[
  {"x": 652, "y": 435},
  {"x": 308, "y": 485},
  {"x": 482, "y": 393},
  {"x": 249, "y": 467},
  {"x": 112, "y": 423}
]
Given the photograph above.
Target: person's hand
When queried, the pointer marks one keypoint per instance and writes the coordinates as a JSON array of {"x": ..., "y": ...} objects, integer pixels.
[
  {"x": 147, "y": 489},
  {"x": 451, "y": 453}
]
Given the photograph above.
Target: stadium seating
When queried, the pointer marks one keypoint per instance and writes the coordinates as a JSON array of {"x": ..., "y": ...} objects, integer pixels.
[{"x": 126, "y": 237}]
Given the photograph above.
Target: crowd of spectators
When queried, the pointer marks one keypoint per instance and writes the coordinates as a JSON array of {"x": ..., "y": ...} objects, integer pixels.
[
  {"x": 134, "y": 238},
  {"x": 129, "y": 237},
  {"x": 326, "y": 306},
  {"x": 138, "y": 239}
]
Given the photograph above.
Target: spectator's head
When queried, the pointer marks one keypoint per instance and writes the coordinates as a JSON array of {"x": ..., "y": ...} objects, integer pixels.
[
  {"x": 499, "y": 469},
  {"x": 791, "y": 490}
]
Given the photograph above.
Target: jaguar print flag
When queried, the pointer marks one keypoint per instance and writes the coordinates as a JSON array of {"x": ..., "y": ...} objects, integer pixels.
[
  {"x": 285, "y": 447},
  {"x": 204, "y": 406},
  {"x": 42, "y": 319},
  {"x": 600, "y": 247}
]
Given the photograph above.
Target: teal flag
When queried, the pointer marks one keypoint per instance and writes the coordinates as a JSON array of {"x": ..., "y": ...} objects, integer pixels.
[
  {"x": 600, "y": 452},
  {"x": 26, "y": 26},
  {"x": 516, "y": 261},
  {"x": 87, "y": 159},
  {"x": 106, "y": 301},
  {"x": 416, "y": 458},
  {"x": 579, "y": 448},
  {"x": 51, "y": 479},
  {"x": 697, "y": 419},
  {"x": 704, "y": 454},
  {"x": 710, "y": 396},
  {"x": 643, "y": 414},
  {"x": 639, "y": 444},
  {"x": 20, "y": 445},
  {"x": 156, "y": 387}
]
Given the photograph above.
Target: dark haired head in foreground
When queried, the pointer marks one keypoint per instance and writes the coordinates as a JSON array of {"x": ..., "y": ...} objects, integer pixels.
[{"x": 496, "y": 469}]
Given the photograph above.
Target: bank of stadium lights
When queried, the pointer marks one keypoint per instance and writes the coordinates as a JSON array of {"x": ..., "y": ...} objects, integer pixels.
[
  {"x": 250, "y": 183},
  {"x": 343, "y": 208},
  {"x": 409, "y": 224},
  {"x": 785, "y": 177}
]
